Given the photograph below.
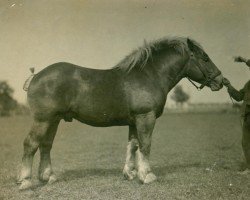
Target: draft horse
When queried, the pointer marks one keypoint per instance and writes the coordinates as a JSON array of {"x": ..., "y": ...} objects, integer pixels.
[{"x": 133, "y": 93}]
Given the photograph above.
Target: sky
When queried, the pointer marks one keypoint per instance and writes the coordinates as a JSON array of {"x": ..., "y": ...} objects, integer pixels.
[{"x": 98, "y": 34}]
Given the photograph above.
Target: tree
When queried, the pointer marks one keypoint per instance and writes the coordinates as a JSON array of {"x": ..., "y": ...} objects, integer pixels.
[
  {"x": 7, "y": 102},
  {"x": 179, "y": 95}
]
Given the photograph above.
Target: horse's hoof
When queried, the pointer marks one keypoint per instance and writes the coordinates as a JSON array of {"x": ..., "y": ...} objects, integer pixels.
[
  {"x": 129, "y": 175},
  {"x": 52, "y": 179},
  {"x": 45, "y": 175},
  {"x": 25, "y": 184},
  {"x": 149, "y": 178}
]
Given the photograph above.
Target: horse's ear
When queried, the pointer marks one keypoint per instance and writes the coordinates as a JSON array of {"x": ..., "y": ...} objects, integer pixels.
[{"x": 191, "y": 45}]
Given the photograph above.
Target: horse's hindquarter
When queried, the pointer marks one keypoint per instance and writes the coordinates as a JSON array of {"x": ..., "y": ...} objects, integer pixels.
[{"x": 92, "y": 96}]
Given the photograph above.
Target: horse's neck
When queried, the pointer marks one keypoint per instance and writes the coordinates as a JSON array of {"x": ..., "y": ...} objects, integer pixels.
[{"x": 170, "y": 71}]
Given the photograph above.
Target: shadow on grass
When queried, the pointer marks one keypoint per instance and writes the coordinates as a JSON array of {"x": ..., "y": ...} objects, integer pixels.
[
  {"x": 81, "y": 173},
  {"x": 117, "y": 172}
]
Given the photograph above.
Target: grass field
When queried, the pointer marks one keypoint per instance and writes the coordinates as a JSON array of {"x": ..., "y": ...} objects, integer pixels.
[{"x": 195, "y": 156}]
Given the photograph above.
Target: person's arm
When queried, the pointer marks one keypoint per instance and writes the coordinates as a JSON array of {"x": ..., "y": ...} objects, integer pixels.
[
  {"x": 235, "y": 94},
  {"x": 241, "y": 59}
]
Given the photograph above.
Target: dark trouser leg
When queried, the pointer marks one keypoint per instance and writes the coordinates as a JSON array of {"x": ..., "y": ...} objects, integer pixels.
[{"x": 246, "y": 139}]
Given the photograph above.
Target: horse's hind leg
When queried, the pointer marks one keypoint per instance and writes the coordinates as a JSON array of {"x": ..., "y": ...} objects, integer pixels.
[
  {"x": 31, "y": 144},
  {"x": 145, "y": 125},
  {"x": 45, "y": 171},
  {"x": 129, "y": 171}
]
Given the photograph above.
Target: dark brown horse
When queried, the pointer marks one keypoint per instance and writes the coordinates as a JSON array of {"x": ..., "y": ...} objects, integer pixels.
[{"x": 133, "y": 94}]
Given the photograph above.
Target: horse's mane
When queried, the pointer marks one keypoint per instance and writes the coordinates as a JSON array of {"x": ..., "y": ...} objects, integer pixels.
[{"x": 141, "y": 56}]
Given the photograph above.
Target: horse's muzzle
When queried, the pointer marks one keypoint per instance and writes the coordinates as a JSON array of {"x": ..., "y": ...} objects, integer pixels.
[{"x": 217, "y": 83}]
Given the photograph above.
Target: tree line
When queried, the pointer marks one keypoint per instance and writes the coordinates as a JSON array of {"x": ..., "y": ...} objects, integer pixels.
[
  {"x": 180, "y": 96},
  {"x": 8, "y": 105}
]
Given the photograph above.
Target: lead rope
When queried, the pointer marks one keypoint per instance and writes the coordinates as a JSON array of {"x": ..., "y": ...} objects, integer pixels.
[{"x": 197, "y": 87}]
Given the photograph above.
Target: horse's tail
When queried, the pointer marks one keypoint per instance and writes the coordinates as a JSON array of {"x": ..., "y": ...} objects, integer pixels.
[{"x": 27, "y": 82}]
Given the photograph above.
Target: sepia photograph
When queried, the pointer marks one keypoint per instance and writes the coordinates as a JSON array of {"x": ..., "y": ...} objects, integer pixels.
[{"x": 124, "y": 99}]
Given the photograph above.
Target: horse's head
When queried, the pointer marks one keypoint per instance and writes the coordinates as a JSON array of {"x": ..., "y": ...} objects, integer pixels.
[{"x": 201, "y": 69}]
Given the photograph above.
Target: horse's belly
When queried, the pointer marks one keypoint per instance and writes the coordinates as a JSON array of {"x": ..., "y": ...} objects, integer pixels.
[
  {"x": 104, "y": 107},
  {"x": 102, "y": 119},
  {"x": 102, "y": 112}
]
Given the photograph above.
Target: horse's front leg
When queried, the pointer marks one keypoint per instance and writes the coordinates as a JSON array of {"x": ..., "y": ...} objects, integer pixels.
[
  {"x": 145, "y": 125},
  {"x": 129, "y": 171}
]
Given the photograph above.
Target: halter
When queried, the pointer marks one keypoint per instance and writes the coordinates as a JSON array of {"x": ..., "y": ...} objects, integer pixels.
[{"x": 208, "y": 78}]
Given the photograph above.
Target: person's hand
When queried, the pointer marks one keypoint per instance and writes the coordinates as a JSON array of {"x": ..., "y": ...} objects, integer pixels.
[
  {"x": 239, "y": 59},
  {"x": 248, "y": 63},
  {"x": 226, "y": 82}
]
